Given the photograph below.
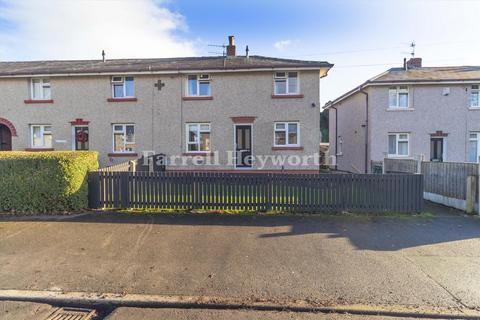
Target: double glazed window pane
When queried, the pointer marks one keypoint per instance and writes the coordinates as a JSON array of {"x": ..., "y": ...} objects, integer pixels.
[
  {"x": 281, "y": 86},
  {"x": 129, "y": 88},
  {"x": 204, "y": 87},
  {"x": 403, "y": 100},
  {"x": 40, "y": 89},
  {"x": 119, "y": 144},
  {"x": 118, "y": 90},
  {"x": 37, "y": 137},
  {"x": 474, "y": 99},
  {"x": 403, "y": 148},
  {"x": 392, "y": 144},
  {"x": 192, "y": 85},
  {"x": 472, "y": 150},
  {"x": 280, "y": 138},
  {"x": 292, "y": 133},
  {"x": 292, "y": 82},
  {"x": 198, "y": 137}
]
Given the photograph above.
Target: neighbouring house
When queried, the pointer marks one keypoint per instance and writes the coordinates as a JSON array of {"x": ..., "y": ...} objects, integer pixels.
[
  {"x": 407, "y": 112},
  {"x": 200, "y": 106}
]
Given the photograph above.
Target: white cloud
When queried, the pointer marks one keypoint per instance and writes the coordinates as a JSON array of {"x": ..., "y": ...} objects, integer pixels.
[
  {"x": 80, "y": 29},
  {"x": 282, "y": 44}
]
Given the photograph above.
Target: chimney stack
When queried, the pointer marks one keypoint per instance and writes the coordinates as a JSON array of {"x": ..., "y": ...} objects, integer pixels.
[
  {"x": 413, "y": 63},
  {"x": 231, "y": 51},
  {"x": 103, "y": 55}
]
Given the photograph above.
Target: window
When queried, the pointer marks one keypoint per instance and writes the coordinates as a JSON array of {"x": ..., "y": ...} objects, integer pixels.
[
  {"x": 41, "y": 136},
  {"x": 123, "y": 138},
  {"x": 40, "y": 89},
  {"x": 287, "y": 134},
  {"x": 398, "y": 144},
  {"x": 474, "y": 97},
  {"x": 81, "y": 137},
  {"x": 398, "y": 97},
  {"x": 473, "y": 140},
  {"x": 198, "y": 137},
  {"x": 123, "y": 87},
  {"x": 286, "y": 83},
  {"x": 199, "y": 85}
]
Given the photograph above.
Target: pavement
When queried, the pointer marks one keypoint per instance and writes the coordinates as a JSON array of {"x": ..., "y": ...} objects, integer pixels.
[{"x": 430, "y": 263}]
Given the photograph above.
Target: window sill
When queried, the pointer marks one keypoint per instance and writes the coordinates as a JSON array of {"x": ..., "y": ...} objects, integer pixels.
[
  {"x": 287, "y": 148},
  {"x": 31, "y": 101},
  {"x": 392, "y": 156},
  {"x": 39, "y": 149},
  {"x": 122, "y": 99},
  {"x": 197, "y": 98},
  {"x": 399, "y": 109},
  {"x": 474, "y": 108},
  {"x": 201, "y": 154},
  {"x": 122, "y": 154},
  {"x": 287, "y": 96}
]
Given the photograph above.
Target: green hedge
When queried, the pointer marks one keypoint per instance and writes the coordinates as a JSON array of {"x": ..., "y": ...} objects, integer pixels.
[{"x": 40, "y": 182}]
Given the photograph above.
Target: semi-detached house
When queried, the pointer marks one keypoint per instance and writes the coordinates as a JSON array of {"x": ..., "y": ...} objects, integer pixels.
[
  {"x": 408, "y": 112},
  {"x": 202, "y": 106}
]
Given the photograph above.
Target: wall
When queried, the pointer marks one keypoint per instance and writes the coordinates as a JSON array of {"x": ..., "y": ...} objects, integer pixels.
[
  {"x": 430, "y": 112},
  {"x": 351, "y": 114},
  {"x": 160, "y": 116}
]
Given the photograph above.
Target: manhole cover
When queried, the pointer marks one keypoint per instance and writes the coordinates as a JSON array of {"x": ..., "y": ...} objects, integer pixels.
[{"x": 72, "y": 314}]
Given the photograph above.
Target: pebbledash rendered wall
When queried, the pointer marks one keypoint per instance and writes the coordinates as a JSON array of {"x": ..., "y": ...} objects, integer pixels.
[
  {"x": 160, "y": 115},
  {"x": 429, "y": 111}
]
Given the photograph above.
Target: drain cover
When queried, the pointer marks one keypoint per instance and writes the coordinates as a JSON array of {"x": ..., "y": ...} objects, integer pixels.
[{"x": 72, "y": 314}]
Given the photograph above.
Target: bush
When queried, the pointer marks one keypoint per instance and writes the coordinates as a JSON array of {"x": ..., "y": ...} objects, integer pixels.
[{"x": 40, "y": 182}]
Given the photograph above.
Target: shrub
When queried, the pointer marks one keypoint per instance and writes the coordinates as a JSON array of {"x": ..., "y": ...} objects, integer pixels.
[{"x": 40, "y": 182}]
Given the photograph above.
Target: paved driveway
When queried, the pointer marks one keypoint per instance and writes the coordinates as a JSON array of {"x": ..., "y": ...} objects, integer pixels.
[{"x": 328, "y": 260}]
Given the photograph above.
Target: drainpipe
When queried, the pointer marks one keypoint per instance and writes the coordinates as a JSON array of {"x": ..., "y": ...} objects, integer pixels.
[
  {"x": 336, "y": 135},
  {"x": 366, "y": 128}
]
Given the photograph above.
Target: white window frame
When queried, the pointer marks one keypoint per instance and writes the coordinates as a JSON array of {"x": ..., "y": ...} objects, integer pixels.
[
  {"x": 201, "y": 78},
  {"x": 286, "y": 78},
  {"x": 397, "y": 140},
  {"x": 122, "y": 81},
  {"x": 475, "y": 89},
  {"x": 199, "y": 131},
  {"x": 42, "y": 133},
  {"x": 286, "y": 123},
  {"x": 45, "y": 82},
  {"x": 477, "y": 139},
  {"x": 124, "y": 133},
  {"x": 399, "y": 90}
]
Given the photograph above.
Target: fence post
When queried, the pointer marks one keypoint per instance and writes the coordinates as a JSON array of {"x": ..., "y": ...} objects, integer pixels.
[
  {"x": 124, "y": 194},
  {"x": 471, "y": 190},
  {"x": 421, "y": 157},
  {"x": 384, "y": 170},
  {"x": 93, "y": 189}
]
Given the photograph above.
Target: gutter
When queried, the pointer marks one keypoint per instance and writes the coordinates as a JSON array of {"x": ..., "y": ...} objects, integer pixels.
[
  {"x": 336, "y": 135},
  {"x": 361, "y": 90}
]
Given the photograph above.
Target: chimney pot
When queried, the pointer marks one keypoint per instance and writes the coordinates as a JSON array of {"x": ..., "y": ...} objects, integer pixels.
[
  {"x": 414, "y": 63},
  {"x": 231, "y": 50}
]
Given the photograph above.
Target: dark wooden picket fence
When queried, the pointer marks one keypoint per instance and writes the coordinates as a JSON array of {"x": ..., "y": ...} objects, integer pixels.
[{"x": 256, "y": 192}]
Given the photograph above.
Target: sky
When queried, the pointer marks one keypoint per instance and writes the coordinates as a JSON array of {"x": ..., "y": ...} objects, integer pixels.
[{"x": 361, "y": 37}]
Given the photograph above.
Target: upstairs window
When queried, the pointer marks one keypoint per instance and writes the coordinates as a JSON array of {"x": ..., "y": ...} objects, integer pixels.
[
  {"x": 123, "y": 87},
  {"x": 123, "y": 138},
  {"x": 40, "y": 89},
  {"x": 286, "y": 83},
  {"x": 398, "y": 144},
  {"x": 41, "y": 136},
  {"x": 198, "y": 137},
  {"x": 198, "y": 85},
  {"x": 474, "y": 97},
  {"x": 398, "y": 97},
  {"x": 286, "y": 134}
]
